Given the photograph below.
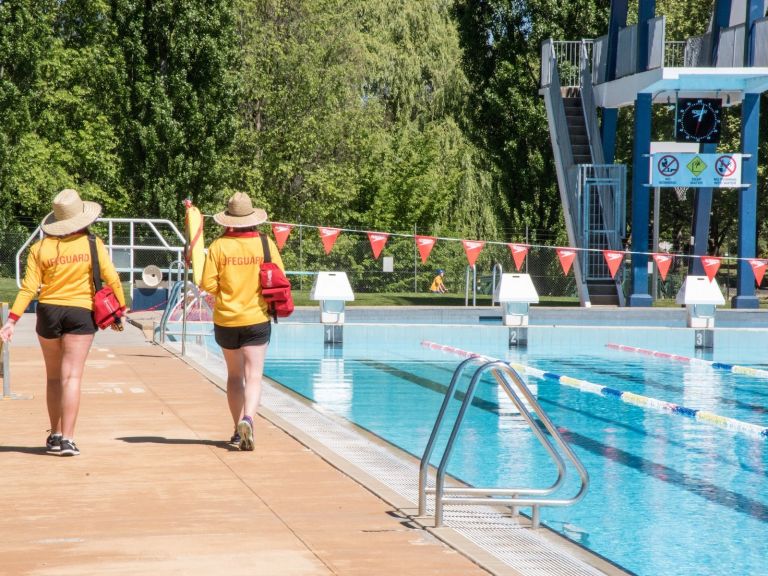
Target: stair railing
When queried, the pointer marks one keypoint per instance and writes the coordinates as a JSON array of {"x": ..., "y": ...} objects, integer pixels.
[{"x": 521, "y": 396}]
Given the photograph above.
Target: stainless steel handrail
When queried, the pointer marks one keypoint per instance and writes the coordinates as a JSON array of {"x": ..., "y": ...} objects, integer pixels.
[
  {"x": 152, "y": 224},
  {"x": 189, "y": 295},
  {"x": 508, "y": 379},
  {"x": 424, "y": 467}
]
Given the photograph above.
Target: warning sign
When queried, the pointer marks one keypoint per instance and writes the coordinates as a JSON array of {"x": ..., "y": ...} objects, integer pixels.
[{"x": 691, "y": 170}]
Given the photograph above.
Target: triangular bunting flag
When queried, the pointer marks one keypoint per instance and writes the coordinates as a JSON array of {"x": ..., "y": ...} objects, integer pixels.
[
  {"x": 663, "y": 262},
  {"x": 566, "y": 256},
  {"x": 758, "y": 268},
  {"x": 377, "y": 240},
  {"x": 281, "y": 232},
  {"x": 425, "y": 245},
  {"x": 519, "y": 251},
  {"x": 711, "y": 266},
  {"x": 328, "y": 236},
  {"x": 613, "y": 258},
  {"x": 472, "y": 248}
]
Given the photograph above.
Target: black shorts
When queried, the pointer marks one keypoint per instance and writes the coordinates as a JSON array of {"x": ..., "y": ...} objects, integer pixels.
[
  {"x": 234, "y": 337},
  {"x": 53, "y": 321}
]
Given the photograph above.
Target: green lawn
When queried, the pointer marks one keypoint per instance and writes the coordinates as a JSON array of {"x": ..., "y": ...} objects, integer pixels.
[{"x": 8, "y": 291}]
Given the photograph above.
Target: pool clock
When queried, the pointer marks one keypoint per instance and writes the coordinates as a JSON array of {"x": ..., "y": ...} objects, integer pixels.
[{"x": 698, "y": 120}]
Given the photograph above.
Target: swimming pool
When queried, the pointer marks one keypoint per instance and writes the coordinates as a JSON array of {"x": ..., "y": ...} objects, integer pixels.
[{"x": 668, "y": 495}]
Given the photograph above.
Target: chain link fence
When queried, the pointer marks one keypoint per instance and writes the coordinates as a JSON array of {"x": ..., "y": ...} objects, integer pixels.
[{"x": 399, "y": 268}]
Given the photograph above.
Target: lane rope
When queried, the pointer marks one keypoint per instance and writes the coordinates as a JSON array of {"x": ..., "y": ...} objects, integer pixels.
[
  {"x": 735, "y": 368},
  {"x": 639, "y": 400}
]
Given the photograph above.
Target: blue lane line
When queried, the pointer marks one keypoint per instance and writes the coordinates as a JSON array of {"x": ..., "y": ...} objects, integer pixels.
[{"x": 627, "y": 397}]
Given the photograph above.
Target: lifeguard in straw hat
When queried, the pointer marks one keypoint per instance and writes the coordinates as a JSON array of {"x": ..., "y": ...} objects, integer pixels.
[
  {"x": 59, "y": 276},
  {"x": 241, "y": 320},
  {"x": 70, "y": 214},
  {"x": 240, "y": 213}
]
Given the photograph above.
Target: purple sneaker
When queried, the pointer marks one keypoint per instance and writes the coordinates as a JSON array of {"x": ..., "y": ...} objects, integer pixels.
[{"x": 245, "y": 430}]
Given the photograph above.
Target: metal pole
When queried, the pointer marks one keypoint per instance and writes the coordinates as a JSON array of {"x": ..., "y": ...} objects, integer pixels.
[
  {"x": 415, "y": 261},
  {"x": 466, "y": 287},
  {"x": 184, "y": 302},
  {"x": 6, "y": 356},
  {"x": 301, "y": 256},
  {"x": 656, "y": 208},
  {"x": 527, "y": 243}
]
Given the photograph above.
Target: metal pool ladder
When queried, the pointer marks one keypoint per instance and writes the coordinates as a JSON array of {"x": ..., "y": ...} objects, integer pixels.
[{"x": 514, "y": 386}]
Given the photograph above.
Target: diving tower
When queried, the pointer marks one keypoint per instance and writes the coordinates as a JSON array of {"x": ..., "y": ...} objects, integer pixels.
[{"x": 586, "y": 80}]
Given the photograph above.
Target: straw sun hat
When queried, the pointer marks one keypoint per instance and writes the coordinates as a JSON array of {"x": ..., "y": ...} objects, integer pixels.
[
  {"x": 70, "y": 214},
  {"x": 240, "y": 213}
]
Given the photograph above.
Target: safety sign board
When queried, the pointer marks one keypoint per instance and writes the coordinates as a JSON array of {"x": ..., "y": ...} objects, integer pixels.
[{"x": 693, "y": 170}]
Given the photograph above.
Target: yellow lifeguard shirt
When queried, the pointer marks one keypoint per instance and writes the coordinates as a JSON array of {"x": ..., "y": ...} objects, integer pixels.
[
  {"x": 231, "y": 274},
  {"x": 59, "y": 270}
]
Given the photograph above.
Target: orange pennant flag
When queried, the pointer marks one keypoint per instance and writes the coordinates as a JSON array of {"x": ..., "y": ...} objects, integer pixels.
[
  {"x": 663, "y": 262},
  {"x": 758, "y": 268},
  {"x": 281, "y": 232},
  {"x": 519, "y": 251},
  {"x": 377, "y": 240},
  {"x": 425, "y": 245},
  {"x": 566, "y": 256},
  {"x": 711, "y": 266},
  {"x": 328, "y": 236},
  {"x": 613, "y": 258},
  {"x": 472, "y": 249}
]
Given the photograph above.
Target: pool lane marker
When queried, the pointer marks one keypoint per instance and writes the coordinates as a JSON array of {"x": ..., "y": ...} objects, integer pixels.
[
  {"x": 639, "y": 400},
  {"x": 735, "y": 368}
]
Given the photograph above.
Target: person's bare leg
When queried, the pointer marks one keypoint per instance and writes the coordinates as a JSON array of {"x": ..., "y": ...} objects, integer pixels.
[
  {"x": 235, "y": 382},
  {"x": 52, "y": 352},
  {"x": 75, "y": 348},
  {"x": 254, "y": 369}
]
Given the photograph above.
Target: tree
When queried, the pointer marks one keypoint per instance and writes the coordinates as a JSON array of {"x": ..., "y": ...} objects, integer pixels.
[
  {"x": 501, "y": 42},
  {"x": 179, "y": 100},
  {"x": 350, "y": 116},
  {"x": 57, "y": 131}
]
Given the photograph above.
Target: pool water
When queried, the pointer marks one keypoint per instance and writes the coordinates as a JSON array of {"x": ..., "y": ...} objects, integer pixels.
[{"x": 668, "y": 495}]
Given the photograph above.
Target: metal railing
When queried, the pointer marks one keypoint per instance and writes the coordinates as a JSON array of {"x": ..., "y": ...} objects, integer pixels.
[
  {"x": 568, "y": 57},
  {"x": 674, "y": 53},
  {"x": 514, "y": 387},
  {"x": 192, "y": 300},
  {"x": 125, "y": 246}
]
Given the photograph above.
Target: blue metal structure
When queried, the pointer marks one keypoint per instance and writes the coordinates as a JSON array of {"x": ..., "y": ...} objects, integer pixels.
[{"x": 636, "y": 66}]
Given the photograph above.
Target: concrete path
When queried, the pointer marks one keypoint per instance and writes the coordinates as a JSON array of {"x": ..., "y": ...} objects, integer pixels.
[{"x": 158, "y": 491}]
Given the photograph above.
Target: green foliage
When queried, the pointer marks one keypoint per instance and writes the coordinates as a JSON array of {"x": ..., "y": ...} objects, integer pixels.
[
  {"x": 506, "y": 117},
  {"x": 179, "y": 107},
  {"x": 398, "y": 115},
  {"x": 350, "y": 116}
]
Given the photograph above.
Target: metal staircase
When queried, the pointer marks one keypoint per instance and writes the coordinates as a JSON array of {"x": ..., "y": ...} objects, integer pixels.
[
  {"x": 592, "y": 192},
  {"x": 577, "y": 126}
]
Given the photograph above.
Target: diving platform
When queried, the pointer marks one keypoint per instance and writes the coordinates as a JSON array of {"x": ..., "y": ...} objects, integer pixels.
[
  {"x": 585, "y": 82},
  {"x": 667, "y": 84}
]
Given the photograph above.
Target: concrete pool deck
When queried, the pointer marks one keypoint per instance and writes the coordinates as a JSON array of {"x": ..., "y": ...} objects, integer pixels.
[{"x": 158, "y": 491}]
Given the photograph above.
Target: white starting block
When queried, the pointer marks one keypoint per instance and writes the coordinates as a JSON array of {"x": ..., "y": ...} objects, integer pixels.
[
  {"x": 515, "y": 293},
  {"x": 700, "y": 296},
  {"x": 332, "y": 290}
]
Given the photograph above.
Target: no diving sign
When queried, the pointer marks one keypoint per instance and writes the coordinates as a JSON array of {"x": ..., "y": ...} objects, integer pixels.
[{"x": 693, "y": 170}]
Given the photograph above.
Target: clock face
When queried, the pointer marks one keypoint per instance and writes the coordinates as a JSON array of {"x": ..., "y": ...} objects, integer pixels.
[{"x": 698, "y": 120}]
